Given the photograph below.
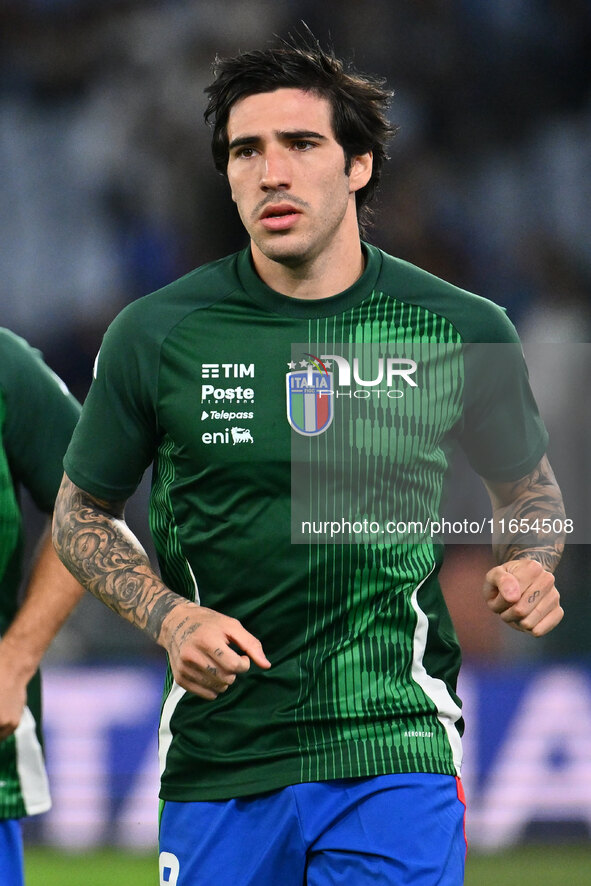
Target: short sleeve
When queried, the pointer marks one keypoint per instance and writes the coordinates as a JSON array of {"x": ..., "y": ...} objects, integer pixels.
[
  {"x": 117, "y": 434},
  {"x": 40, "y": 416},
  {"x": 503, "y": 434}
]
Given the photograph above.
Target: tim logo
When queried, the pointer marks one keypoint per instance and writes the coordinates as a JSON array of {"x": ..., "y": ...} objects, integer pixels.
[
  {"x": 241, "y": 435},
  {"x": 309, "y": 400}
]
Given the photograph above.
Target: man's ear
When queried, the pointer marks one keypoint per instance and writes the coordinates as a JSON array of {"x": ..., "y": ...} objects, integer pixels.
[{"x": 360, "y": 170}]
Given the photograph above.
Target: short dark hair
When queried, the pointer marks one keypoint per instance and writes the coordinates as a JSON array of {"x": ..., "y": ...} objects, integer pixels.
[{"x": 359, "y": 102}]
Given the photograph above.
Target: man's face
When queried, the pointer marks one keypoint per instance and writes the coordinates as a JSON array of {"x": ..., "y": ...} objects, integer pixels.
[{"x": 287, "y": 175}]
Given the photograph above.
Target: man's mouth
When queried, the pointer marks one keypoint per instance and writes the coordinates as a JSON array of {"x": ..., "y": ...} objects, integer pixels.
[{"x": 279, "y": 217}]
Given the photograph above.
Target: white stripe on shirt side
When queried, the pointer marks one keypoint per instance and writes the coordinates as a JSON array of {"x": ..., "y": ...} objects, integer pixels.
[
  {"x": 170, "y": 705},
  {"x": 448, "y": 711},
  {"x": 31, "y": 766},
  {"x": 165, "y": 732}
]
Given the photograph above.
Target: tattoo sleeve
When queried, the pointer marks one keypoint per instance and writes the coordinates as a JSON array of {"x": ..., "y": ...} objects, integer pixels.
[
  {"x": 94, "y": 542},
  {"x": 527, "y": 515}
]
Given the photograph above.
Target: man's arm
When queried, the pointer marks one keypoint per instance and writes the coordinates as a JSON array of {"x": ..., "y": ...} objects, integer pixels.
[
  {"x": 95, "y": 543},
  {"x": 521, "y": 588},
  {"x": 51, "y": 595}
]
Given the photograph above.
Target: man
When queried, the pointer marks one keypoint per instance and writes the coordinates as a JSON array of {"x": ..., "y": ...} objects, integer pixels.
[
  {"x": 335, "y": 758},
  {"x": 37, "y": 417}
]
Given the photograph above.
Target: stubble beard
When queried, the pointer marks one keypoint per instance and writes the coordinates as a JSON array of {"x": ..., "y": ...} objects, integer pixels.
[
  {"x": 304, "y": 248},
  {"x": 293, "y": 257}
]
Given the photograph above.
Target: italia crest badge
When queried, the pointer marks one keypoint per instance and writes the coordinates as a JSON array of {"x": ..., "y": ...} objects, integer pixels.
[{"x": 310, "y": 394}]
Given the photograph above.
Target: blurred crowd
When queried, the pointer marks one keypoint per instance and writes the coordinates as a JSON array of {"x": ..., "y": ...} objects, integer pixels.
[{"x": 108, "y": 190}]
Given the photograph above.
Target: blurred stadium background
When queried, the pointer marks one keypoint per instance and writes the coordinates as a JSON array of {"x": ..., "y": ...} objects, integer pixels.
[{"x": 107, "y": 191}]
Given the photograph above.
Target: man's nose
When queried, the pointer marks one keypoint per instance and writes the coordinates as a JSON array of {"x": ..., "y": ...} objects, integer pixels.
[{"x": 276, "y": 170}]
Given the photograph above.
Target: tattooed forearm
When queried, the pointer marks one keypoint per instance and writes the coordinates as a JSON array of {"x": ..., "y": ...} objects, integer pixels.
[
  {"x": 548, "y": 558},
  {"x": 526, "y": 515},
  {"x": 96, "y": 545}
]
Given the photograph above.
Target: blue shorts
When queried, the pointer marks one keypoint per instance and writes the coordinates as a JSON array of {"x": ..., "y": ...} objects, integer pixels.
[
  {"x": 11, "y": 853},
  {"x": 390, "y": 830}
]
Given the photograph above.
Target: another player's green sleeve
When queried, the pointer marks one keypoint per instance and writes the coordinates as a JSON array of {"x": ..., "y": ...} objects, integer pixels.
[{"x": 40, "y": 416}]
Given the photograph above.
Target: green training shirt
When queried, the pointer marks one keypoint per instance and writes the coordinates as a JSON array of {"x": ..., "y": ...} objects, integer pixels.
[
  {"x": 263, "y": 414},
  {"x": 37, "y": 417}
]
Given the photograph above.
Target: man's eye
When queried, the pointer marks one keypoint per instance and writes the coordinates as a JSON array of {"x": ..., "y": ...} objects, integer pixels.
[
  {"x": 245, "y": 152},
  {"x": 303, "y": 145}
]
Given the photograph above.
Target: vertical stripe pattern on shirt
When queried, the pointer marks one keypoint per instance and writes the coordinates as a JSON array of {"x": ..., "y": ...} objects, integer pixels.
[{"x": 364, "y": 670}]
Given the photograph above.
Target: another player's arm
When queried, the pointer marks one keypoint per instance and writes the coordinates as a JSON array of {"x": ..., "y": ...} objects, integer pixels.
[
  {"x": 51, "y": 595},
  {"x": 95, "y": 543},
  {"x": 521, "y": 588}
]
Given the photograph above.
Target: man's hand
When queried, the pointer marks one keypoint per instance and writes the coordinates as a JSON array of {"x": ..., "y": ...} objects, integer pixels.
[
  {"x": 51, "y": 595},
  {"x": 523, "y": 593},
  {"x": 95, "y": 543},
  {"x": 198, "y": 644},
  {"x": 13, "y": 694}
]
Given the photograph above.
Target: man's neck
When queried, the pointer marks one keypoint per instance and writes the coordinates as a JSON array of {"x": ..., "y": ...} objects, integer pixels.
[{"x": 321, "y": 277}]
